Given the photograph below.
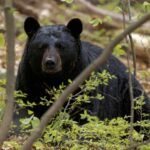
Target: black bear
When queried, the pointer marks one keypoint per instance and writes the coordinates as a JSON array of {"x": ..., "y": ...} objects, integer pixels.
[{"x": 53, "y": 54}]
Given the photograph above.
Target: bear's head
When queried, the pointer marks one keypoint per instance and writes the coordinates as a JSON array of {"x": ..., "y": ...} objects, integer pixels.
[{"x": 53, "y": 49}]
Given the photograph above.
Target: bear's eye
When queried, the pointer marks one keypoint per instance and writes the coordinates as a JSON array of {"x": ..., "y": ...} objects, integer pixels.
[{"x": 59, "y": 45}]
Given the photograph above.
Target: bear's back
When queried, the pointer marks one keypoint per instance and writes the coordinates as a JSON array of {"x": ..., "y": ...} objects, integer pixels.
[{"x": 90, "y": 52}]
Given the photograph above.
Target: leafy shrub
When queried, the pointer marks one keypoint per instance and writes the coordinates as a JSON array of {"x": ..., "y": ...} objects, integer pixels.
[{"x": 65, "y": 133}]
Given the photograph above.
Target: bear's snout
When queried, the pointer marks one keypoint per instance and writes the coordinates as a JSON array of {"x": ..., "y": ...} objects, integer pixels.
[{"x": 50, "y": 63}]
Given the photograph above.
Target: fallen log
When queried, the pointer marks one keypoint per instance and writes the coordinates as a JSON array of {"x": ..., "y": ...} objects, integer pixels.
[
  {"x": 117, "y": 19},
  {"x": 142, "y": 47}
]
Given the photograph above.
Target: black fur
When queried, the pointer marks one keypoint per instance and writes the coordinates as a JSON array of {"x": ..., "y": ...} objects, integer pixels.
[{"x": 70, "y": 56}]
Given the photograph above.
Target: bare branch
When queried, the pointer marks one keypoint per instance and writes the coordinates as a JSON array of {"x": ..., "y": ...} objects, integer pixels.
[
  {"x": 26, "y": 9},
  {"x": 130, "y": 43},
  {"x": 79, "y": 80},
  {"x": 10, "y": 58}
]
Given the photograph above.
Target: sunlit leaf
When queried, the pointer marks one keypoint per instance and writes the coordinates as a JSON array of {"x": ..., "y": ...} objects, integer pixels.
[
  {"x": 95, "y": 22},
  {"x": 67, "y": 1}
]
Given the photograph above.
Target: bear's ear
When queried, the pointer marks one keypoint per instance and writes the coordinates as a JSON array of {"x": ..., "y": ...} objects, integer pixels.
[
  {"x": 75, "y": 26},
  {"x": 31, "y": 25}
]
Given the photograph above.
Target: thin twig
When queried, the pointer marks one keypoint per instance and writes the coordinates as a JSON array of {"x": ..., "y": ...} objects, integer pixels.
[
  {"x": 129, "y": 74},
  {"x": 131, "y": 41}
]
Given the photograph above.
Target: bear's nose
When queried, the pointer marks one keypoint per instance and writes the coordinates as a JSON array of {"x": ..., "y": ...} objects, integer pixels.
[{"x": 50, "y": 63}]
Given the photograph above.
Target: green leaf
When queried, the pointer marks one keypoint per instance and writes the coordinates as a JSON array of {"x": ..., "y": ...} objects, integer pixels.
[
  {"x": 96, "y": 22},
  {"x": 26, "y": 121},
  {"x": 38, "y": 145},
  {"x": 30, "y": 112},
  {"x": 118, "y": 51},
  {"x": 35, "y": 122},
  {"x": 118, "y": 9},
  {"x": 67, "y": 1}
]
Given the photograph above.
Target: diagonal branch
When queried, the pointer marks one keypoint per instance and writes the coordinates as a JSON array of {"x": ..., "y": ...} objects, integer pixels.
[{"x": 79, "y": 80}]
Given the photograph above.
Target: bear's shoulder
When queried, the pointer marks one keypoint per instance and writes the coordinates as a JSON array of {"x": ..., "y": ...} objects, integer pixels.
[{"x": 92, "y": 51}]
